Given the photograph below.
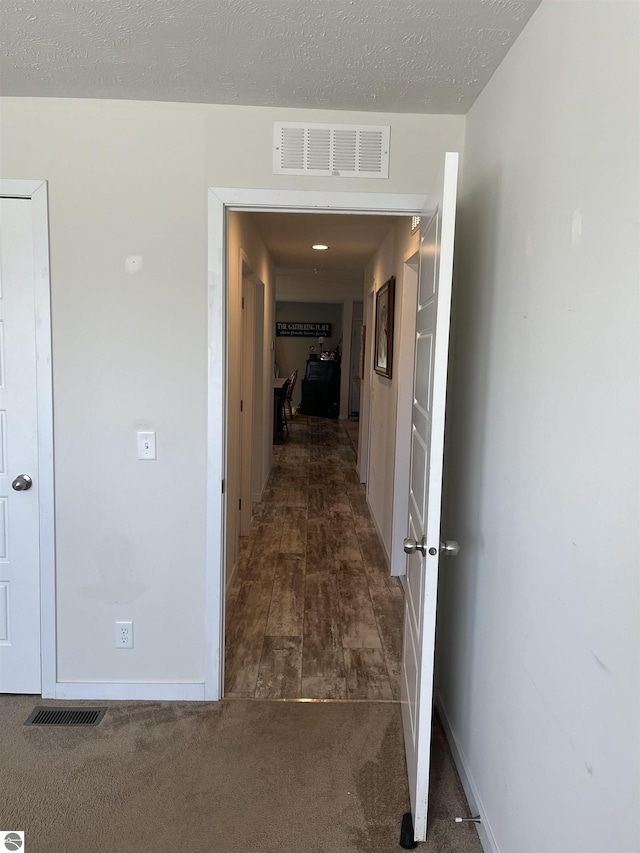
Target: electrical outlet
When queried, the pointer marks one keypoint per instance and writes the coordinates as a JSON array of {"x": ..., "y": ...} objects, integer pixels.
[{"x": 124, "y": 635}]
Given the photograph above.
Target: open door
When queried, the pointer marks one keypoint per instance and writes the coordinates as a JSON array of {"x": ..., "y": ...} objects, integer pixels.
[{"x": 425, "y": 487}]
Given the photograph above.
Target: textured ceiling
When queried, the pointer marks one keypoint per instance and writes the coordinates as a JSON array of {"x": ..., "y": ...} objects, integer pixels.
[
  {"x": 352, "y": 239},
  {"x": 422, "y": 56}
]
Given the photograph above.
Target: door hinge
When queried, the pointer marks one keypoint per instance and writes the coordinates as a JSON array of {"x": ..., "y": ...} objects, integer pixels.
[
  {"x": 241, "y": 405},
  {"x": 243, "y": 301},
  {"x": 223, "y": 487},
  {"x": 240, "y": 504}
]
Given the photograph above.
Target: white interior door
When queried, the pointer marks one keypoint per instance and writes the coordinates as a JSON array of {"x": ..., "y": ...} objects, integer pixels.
[
  {"x": 20, "y": 666},
  {"x": 425, "y": 486}
]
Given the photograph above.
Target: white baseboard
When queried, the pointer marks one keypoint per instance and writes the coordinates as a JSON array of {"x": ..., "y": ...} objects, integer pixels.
[
  {"x": 487, "y": 838},
  {"x": 387, "y": 556},
  {"x": 256, "y": 499},
  {"x": 266, "y": 479},
  {"x": 230, "y": 579},
  {"x": 99, "y": 691}
]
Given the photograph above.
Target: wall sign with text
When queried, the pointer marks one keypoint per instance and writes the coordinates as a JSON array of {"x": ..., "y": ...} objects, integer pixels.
[{"x": 303, "y": 330}]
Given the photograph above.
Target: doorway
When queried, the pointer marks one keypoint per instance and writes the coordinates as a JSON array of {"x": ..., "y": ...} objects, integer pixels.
[
  {"x": 312, "y": 611},
  {"x": 221, "y": 202}
]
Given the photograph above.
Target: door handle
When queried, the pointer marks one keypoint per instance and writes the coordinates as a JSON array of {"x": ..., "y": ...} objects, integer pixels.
[
  {"x": 22, "y": 483},
  {"x": 411, "y": 545},
  {"x": 450, "y": 548}
]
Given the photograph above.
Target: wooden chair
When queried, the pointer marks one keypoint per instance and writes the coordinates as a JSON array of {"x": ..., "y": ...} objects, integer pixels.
[
  {"x": 282, "y": 399},
  {"x": 287, "y": 400}
]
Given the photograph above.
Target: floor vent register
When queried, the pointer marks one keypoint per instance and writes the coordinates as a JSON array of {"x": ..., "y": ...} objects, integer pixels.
[{"x": 65, "y": 716}]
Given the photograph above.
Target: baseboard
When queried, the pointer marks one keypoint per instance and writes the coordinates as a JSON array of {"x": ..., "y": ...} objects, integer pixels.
[
  {"x": 102, "y": 690},
  {"x": 256, "y": 497},
  {"x": 387, "y": 556},
  {"x": 487, "y": 838},
  {"x": 230, "y": 579},
  {"x": 266, "y": 479}
]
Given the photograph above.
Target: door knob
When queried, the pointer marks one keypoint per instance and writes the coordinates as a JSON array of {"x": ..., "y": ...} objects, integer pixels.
[
  {"x": 450, "y": 548},
  {"x": 411, "y": 546},
  {"x": 22, "y": 482}
]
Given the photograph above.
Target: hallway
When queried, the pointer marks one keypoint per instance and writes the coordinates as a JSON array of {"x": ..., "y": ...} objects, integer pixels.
[{"x": 313, "y": 612}]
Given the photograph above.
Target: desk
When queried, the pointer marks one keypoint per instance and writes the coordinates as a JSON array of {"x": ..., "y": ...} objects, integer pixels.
[{"x": 277, "y": 409}]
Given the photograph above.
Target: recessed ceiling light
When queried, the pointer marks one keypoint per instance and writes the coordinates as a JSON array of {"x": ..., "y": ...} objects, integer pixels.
[{"x": 319, "y": 247}]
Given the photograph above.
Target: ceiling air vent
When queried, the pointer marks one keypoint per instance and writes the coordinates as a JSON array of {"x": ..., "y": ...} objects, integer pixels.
[{"x": 337, "y": 150}]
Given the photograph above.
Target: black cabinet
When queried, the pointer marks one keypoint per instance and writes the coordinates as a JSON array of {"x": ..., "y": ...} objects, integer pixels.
[{"x": 321, "y": 389}]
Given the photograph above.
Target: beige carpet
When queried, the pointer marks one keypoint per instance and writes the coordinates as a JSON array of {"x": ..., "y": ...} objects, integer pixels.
[{"x": 240, "y": 775}]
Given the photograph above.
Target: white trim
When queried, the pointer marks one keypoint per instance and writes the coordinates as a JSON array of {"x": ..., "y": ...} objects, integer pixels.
[
  {"x": 160, "y": 692},
  {"x": 292, "y": 201},
  {"x": 231, "y": 578},
  {"x": 222, "y": 199},
  {"x": 36, "y": 191},
  {"x": 487, "y": 838},
  {"x": 216, "y": 450},
  {"x": 404, "y": 408},
  {"x": 19, "y": 189},
  {"x": 257, "y": 498},
  {"x": 376, "y": 527}
]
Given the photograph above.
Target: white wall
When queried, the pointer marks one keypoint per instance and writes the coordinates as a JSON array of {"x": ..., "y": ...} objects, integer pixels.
[
  {"x": 130, "y": 351},
  {"x": 303, "y": 285},
  {"x": 383, "y": 393},
  {"x": 262, "y": 441},
  {"x": 538, "y": 623},
  {"x": 355, "y": 366},
  {"x": 246, "y": 249}
]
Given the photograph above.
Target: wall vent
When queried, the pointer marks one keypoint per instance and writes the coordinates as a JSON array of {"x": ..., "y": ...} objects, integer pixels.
[{"x": 337, "y": 150}]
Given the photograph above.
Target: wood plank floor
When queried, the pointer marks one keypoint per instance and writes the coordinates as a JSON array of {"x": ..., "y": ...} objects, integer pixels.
[{"x": 313, "y": 612}]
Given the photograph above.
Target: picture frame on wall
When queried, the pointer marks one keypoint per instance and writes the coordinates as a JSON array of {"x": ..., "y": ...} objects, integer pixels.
[{"x": 383, "y": 342}]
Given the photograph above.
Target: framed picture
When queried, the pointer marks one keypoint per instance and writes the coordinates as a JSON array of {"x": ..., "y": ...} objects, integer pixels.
[{"x": 383, "y": 342}]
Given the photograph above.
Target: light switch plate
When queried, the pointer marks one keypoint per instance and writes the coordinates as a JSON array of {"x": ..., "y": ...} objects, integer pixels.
[{"x": 147, "y": 445}]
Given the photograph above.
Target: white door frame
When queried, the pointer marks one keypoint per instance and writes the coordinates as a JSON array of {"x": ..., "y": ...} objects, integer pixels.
[
  {"x": 222, "y": 200},
  {"x": 36, "y": 192},
  {"x": 404, "y": 408}
]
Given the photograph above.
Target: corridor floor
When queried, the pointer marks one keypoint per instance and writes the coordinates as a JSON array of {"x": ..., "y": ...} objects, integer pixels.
[{"x": 313, "y": 612}]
